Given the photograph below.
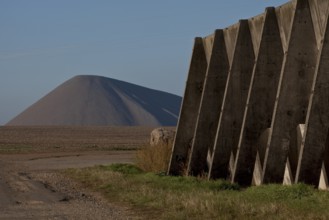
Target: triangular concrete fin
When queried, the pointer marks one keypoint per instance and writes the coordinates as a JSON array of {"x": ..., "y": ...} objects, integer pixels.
[
  {"x": 288, "y": 178},
  {"x": 323, "y": 183},
  {"x": 257, "y": 174}
]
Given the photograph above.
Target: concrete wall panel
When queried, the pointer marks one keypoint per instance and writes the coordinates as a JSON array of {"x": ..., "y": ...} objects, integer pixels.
[
  {"x": 209, "y": 111},
  {"x": 293, "y": 93},
  {"x": 285, "y": 14},
  {"x": 319, "y": 9},
  {"x": 317, "y": 121},
  {"x": 230, "y": 35},
  {"x": 189, "y": 110},
  {"x": 256, "y": 25},
  {"x": 233, "y": 105},
  {"x": 208, "y": 45},
  {"x": 261, "y": 97}
]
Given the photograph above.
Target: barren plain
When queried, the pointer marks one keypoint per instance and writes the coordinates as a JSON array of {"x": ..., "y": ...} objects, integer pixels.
[{"x": 31, "y": 159}]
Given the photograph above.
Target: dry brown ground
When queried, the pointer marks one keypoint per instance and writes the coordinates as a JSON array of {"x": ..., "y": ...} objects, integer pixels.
[
  {"x": 71, "y": 138},
  {"x": 31, "y": 186}
]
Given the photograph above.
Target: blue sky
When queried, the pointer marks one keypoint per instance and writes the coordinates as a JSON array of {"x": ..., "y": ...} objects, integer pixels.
[{"x": 146, "y": 42}]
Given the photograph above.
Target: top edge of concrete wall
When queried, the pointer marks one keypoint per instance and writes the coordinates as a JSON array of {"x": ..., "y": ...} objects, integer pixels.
[{"x": 289, "y": 4}]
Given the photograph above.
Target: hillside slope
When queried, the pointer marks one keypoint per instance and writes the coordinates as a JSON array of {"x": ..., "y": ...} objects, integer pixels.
[{"x": 96, "y": 100}]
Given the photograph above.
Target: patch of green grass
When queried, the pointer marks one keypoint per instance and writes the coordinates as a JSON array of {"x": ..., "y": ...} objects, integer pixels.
[
  {"x": 123, "y": 168},
  {"x": 195, "y": 198}
]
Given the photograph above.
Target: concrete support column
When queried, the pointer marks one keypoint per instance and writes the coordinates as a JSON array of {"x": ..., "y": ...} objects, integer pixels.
[
  {"x": 312, "y": 148},
  {"x": 211, "y": 101},
  {"x": 189, "y": 109},
  {"x": 293, "y": 92},
  {"x": 261, "y": 95},
  {"x": 232, "y": 110}
]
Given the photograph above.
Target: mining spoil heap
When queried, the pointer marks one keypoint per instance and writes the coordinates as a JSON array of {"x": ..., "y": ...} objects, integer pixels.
[{"x": 96, "y": 100}]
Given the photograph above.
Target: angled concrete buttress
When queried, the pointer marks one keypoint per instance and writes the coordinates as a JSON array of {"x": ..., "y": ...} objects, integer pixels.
[
  {"x": 189, "y": 109},
  {"x": 242, "y": 62},
  {"x": 211, "y": 101},
  {"x": 293, "y": 92},
  {"x": 262, "y": 93},
  {"x": 312, "y": 148}
]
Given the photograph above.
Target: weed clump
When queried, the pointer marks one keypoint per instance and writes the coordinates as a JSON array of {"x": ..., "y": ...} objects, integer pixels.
[{"x": 154, "y": 158}]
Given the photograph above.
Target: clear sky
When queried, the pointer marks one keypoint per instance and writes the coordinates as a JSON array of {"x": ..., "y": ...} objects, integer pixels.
[{"x": 147, "y": 42}]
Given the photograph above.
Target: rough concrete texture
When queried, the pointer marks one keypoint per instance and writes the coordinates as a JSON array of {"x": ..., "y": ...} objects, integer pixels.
[
  {"x": 189, "y": 110},
  {"x": 261, "y": 96},
  {"x": 212, "y": 96},
  {"x": 277, "y": 79},
  {"x": 293, "y": 92},
  {"x": 233, "y": 106}
]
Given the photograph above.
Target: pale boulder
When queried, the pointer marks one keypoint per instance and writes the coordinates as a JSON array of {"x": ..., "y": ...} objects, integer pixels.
[{"x": 162, "y": 136}]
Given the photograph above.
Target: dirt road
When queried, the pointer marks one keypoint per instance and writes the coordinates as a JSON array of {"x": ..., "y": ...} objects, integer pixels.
[
  {"x": 30, "y": 156},
  {"x": 31, "y": 187}
]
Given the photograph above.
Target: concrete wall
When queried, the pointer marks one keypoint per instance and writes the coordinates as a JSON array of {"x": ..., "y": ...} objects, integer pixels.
[{"x": 249, "y": 89}]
